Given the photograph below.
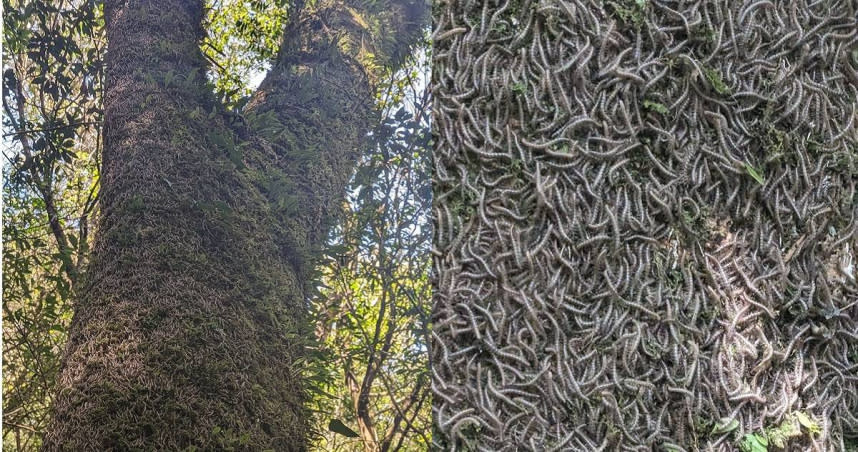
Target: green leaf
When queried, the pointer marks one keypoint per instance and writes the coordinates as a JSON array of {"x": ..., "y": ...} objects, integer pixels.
[
  {"x": 725, "y": 425},
  {"x": 777, "y": 438},
  {"x": 780, "y": 435},
  {"x": 337, "y": 426},
  {"x": 716, "y": 81},
  {"x": 168, "y": 77},
  {"x": 807, "y": 422},
  {"x": 655, "y": 106},
  {"x": 755, "y": 174},
  {"x": 753, "y": 442},
  {"x": 236, "y": 156}
]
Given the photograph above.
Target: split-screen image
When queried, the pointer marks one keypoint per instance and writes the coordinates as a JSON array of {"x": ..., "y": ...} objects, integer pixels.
[{"x": 415, "y": 225}]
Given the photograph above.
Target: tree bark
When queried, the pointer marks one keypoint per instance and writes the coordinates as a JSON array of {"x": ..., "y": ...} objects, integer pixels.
[
  {"x": 190, "y": 327},
  {"x": 320, "y": 94}
]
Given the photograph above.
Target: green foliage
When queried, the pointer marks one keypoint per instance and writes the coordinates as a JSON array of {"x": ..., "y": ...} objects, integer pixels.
[
  {"x": 36, "y": 313},
  {"x": 808, "y": 423},
  {"x": 716, "y": 81},
  {"x": 755, "y": 174},
  {"x": 337, "y": 426},
  {"x": 55, "y": 52},
  {"x": 52, "y": 80},
  {"x": 725, "y": 425},
  {"x": 243, "y": 38},
  {"x": 753, "y": 442},
  {"x": 779, "y": 436},
  {"x": 629, "y": 12},
  {"x": 230, "y": 440},
  {"x": 655, "y": 106},
  {"x": 372, "y": 312}
]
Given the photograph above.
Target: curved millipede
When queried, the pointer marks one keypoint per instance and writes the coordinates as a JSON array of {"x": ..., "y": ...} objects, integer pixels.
[{"x": 646, "y": 221}]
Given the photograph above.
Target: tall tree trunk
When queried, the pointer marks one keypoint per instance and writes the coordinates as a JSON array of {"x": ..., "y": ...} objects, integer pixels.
[{"x": 191, "y": 320}]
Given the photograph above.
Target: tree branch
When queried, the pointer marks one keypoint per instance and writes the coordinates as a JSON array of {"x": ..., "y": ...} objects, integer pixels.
[
  {"x": 49, "y": 129},
  {"x": 321, "y": 92},
  {"x": 43, "y": 187}
]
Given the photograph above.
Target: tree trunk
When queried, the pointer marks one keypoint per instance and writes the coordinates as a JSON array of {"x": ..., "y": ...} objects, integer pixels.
[
  {"x": 190, "y": 326},
  {"x": 360, "y": 405}
]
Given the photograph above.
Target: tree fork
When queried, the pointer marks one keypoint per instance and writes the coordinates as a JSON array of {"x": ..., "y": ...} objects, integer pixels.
[{"x": 191, "y": 321}]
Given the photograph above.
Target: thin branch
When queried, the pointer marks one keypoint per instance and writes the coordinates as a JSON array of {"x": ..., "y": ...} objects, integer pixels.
[{"x": 49, "y": 129}]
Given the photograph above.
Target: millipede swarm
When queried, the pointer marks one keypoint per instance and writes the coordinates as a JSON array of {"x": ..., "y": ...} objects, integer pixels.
[{"x": 646, "y": 225}]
